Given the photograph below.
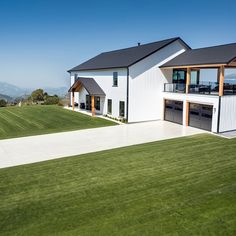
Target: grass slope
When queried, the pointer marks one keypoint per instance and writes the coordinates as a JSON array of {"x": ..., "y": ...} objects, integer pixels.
[
  {"x": 35, "y": 120},
  {"x": 184, "y": 186}
]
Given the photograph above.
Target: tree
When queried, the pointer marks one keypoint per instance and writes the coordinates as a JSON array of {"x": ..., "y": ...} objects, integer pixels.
[
  {"x": 37, "y": 95},
  {"x": 3, "y": 103},
  {"x": 51, "y": 100}
]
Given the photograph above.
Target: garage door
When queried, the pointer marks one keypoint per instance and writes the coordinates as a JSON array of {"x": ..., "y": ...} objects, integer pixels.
[
  {"x": 200, "y": 116},
  {"x": 174, "y": 111}
]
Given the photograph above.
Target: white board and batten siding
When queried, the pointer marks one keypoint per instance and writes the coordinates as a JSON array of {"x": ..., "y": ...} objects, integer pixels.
[
  {"x": 228, "y": 113},
  {"x": 104, "y": 79},
  {"x": 72, "y": 81},
  {"x": 146, "y": 83}
]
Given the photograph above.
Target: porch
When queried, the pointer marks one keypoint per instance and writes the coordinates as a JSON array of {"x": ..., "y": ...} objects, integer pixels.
[{"x": 92, "y": 94}]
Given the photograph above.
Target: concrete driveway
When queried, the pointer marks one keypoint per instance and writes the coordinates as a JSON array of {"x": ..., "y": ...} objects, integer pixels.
[{"x": 32, "y": 149}]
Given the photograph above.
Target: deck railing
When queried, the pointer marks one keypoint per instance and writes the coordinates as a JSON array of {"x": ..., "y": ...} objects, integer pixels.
[
  {"x": 174, "y": 88},
  {"x": 210, "y": 88},
  {"x": 207, "y": 88},
  {"x": 229, "y": 89}
]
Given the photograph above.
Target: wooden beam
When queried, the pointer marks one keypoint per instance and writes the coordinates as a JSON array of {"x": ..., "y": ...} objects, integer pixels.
[
  {"x": 188, "y": 79},
  {"x": 93, "y": 107},
  {"x": 73, "y": 100},
  {"x": 187, "y": 114},
  {"x": 221, "y": 80},
  {"x": 195, "y": 66}
]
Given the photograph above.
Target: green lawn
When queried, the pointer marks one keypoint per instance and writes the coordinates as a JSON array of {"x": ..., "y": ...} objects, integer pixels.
[
  {"x": 184, "y": 186},
  {"x": 35, "y": 120}
]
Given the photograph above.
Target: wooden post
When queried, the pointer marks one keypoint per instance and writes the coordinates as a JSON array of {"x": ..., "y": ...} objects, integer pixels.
[
  {"x": 221, "y": 80},
  {"x": 93, "y": 107},
  {"x": 187, "y": 114},
  {"x": 73, "y": 100},
  {"x": 188, "y": 79}
]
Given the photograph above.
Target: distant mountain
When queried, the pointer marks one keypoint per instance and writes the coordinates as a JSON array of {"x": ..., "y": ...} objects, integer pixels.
[
  {"x": 230, "y": 76},
  {"x": 5, "y": 97},
  {"x": 61, "y": 91},
  {"x": 15, "y": 91},
  {"x": 12, "y": 90},
  {"x": 231, "y": 79}
]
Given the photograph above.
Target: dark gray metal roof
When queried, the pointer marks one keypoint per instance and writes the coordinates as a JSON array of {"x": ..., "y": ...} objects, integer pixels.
[
  {"x": 124, "y": 58},
  {"x": 89, "y": 84},
  {"x": 222, "y": 54}
]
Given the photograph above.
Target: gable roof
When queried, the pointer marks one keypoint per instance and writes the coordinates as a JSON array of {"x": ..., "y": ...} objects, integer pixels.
[
  {"x": 89, "y": 84},
  {"x": 124, "y": 58},
  {"x": 222, "y": 54}
]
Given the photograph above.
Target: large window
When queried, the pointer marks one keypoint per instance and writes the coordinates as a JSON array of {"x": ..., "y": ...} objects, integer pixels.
[
  {"x": 179, "y": 76},
  {"x": 97, "y": 103},
  {"x": 122, "y": 109},
  {"x": 230, "y": 75},
  {"x": 109, "y": 106},
  {"x": 115, "y": 79}
]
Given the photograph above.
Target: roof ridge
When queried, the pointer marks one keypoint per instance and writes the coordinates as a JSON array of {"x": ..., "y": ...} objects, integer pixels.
[
  {"x": 169, "y": 39},
  {"x": 227, "y": 44}
]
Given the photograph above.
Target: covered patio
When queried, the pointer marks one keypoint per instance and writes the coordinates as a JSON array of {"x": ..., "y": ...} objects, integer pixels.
[
  {"x": 93, "y": 90},
  {"x": 209, "y": 71}
]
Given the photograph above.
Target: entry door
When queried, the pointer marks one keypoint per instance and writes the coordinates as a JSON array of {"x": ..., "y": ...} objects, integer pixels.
[
  {"x": 200, "y": 116},
  {"x": 174, "y": 111}
]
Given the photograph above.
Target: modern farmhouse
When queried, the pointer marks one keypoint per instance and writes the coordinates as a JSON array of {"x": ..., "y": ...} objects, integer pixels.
[{"x": 161, "y": 80}]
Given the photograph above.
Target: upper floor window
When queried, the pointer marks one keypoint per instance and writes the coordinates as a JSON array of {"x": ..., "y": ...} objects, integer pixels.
[
  {"x": 115, "y": 79},
  {"x": 76, "y": 76}
]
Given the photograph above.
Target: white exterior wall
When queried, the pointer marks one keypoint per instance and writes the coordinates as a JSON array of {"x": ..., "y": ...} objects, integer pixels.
[
  {"x": 146, "y": 84},
  {"x": 194, "y": 98},
  {"x": 104, "y": 79},
  {"x": 72, "y": 81},
  {"x": 228, "y": 113}
]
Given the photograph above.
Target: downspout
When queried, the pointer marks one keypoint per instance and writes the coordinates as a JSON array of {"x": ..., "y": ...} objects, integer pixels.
[
  {"x": 127, "y": 96},
  {"x": 218, "y": 122}
]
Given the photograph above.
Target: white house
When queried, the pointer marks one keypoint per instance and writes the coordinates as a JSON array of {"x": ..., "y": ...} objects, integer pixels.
[{"x": 161, "y": 80}]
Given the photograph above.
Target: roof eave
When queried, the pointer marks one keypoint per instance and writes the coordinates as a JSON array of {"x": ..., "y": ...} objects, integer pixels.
[
  {"x": 195, "y": 65},
  {"x": 102, "y": 68}
]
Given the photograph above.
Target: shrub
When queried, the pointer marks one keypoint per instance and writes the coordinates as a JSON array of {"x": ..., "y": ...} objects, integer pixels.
[
  {"x": 3, "y": 103},
  {"x": 51, "y": 100}
]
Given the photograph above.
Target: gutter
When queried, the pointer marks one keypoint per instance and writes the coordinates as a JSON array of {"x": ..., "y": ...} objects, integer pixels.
[
  {"x": 127, "y": 96},
  {"x": 218, "y": 122}
]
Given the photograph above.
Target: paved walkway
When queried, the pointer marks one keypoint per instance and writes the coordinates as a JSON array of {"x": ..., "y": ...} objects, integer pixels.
[
  {"x": 229, "y": 134},
  {"x": 32, "y": 149}
]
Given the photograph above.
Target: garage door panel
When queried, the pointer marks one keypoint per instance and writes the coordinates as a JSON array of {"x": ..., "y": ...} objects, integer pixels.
[
  {"x": 174, "y": 111},
  {"x": 200, "y": 116}
]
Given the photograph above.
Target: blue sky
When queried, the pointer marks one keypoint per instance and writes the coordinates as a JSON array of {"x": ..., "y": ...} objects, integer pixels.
[{"x": 41, "y": 39}]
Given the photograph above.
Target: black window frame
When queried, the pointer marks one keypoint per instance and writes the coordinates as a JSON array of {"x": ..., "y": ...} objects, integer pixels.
[
  {"x": 97, "y": 103},
  {"x": 109, "y": 103},
  {"x": 122, "y": 113},
  {"x": 115, "y": 79}
]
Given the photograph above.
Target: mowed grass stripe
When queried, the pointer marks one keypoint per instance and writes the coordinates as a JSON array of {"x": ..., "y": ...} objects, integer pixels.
[
  {"x": 35, "y": 120},
  {"x": 25, "y": 119},
  {"x": 183, "y": 186}
]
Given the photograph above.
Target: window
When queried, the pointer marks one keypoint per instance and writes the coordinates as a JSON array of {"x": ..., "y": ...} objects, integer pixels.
[
  {"x": 97, "y": 103},
  {"x": 115, "y": 79},
  {"x": 179, "y": 76},
  {"x": 76, "y": 76},
  {"x": 109, "y": 106},
  {"x": 122, "y": 109}
]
